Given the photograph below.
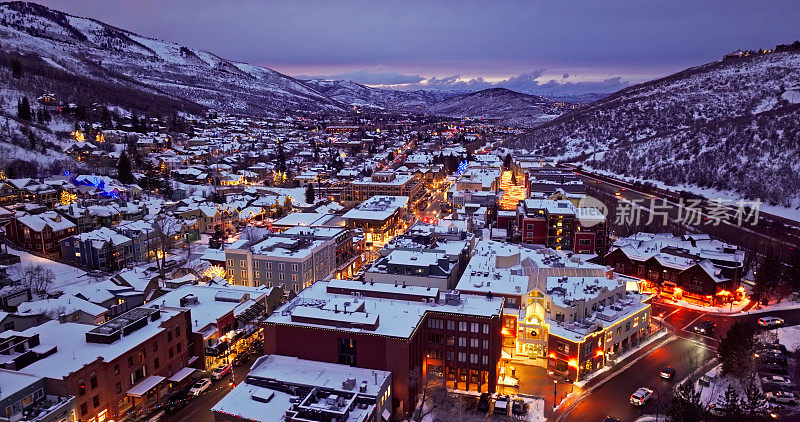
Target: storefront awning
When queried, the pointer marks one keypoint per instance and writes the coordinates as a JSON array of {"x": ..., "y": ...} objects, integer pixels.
[
  {"x": 182, "y": 374},
  {"x": 143, "y": 387}
]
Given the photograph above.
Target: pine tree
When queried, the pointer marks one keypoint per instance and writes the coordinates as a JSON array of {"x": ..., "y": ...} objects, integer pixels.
[
  {"x": 730, "y": 403},
  {"x": 24, "y": 109},
  {"x": 767, "y": 277},
  {"x": 124, "y": 173},
  {"x": 507, "y": 161},
  {"x": 16, "y": 68},
  {"x": 736, "y": 349},
  {"x": 310, "y": 196},
  {"x": 687, "y": 405},
  {"x": 32, "y": 139},
  {"x": 754, "y": 401}
]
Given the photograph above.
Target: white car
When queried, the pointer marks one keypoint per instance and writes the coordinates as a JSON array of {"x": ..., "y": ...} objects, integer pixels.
[
  {"x": 776, "y": 379},
  {"x": 641, "y": 396},
  {"x": 200, "y": 386},
  {"x": 220, "y": 371},
  {"x": 770, "y": 321},
  {"x": 783, "y": 397}
]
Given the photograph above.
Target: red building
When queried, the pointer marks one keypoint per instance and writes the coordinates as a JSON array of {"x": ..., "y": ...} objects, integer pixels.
[
  {"x": 560, "y": 225},
  {"x": 128, "y": 363},
  {"x": 40, "y": 233},
  {"x": 404, "y": 330}
]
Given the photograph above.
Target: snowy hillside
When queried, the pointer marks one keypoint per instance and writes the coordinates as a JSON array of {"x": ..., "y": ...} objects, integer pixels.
[
  {"x": 729, "y": 125},
  {"x": 92, "y": 49},
  {"x": 348, "y": 92},
  {"x": 498, "y": 103}
]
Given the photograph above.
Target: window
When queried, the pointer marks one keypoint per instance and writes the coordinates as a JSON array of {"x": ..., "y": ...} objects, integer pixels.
[
  {"x": 475, "y": 327},
  {"x": 451, "y": 340},
  {"x": 462, "y": 342},
  {"x": 96, "y": 401},
  {"x": 230, "y": 273},
  {"x": 84, "y": 409},
  {"x": 268, "y": 265},
  {"x": 241, "y": 262},
  {"x": 281, "y": 276},
  {"x": 244, "y": 273},
  {"x": 269, "y": 277},
  {"x": 294, "y": 277},
  {"x": 155, "y": 363},
  {"x": 281, "y": 266},
  {"x": 462, "y": 326},
  {"x": 169, "y": 335},
  {"x": 473, "y": 342},
  {"x": 485, "y": 359},
  {"x": 451, "y": 325},
  {"x": 587, "y": 348},
  {"x": 256, "y": 274},
  {"x": 230, "y": 262},
  {"x": 81, "y": 388},
  {"x": 347, "y": 351},
  {"x": 473, "y": 358},
  {"x": 435, "y": 323},
  {"x": 116, "y": 369},
  {"x": 485, "y": 344},
  {"x": 562, "y": 347},
  {"x": 462, "y": 357},
  {"x": 435, "y": 338},
  {"x": 450, "y": 356},
  {"x": 93, "y": 380},
  {"x": 155, "y": 347},
  {"x": 178, "y": 348},
  {"x": 294, "y": 267},
  {"x": 255, "y": 264},
  {"x": 118, "y": 387},
  {"x": 177, "y": 332},
  {"x": 485, "y": 328}
]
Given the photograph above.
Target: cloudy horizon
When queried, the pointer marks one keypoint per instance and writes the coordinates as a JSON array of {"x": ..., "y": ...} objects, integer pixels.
[{"x": 538, "y": 47}]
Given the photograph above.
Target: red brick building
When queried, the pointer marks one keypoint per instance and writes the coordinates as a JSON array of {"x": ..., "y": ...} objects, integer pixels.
[
  {"x": 393, "y": 328},
  {"x": 40, "y": 233},
  {"x": 128, "y": 363},
  {"x": 560, "y": 225}
]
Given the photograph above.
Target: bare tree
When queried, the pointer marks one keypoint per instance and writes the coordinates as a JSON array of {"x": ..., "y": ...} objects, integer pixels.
[
  {"x": 37, "y": 278},
  {"x": 433, "y": 395},
  {"x": 166, "y": 228}
]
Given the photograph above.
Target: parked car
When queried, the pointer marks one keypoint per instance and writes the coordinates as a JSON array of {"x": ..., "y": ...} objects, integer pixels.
[
  {"x": 501, "y": 405},
  {"x": 518, "y": 407},
  {"x": 200, "y": 386},
  {"x": 770, "y": 321},
  {"x": 776, "y": 347},
  {"x": 773, "y": 368},
  {"x": 776, "y": 379},
  {"x": 705, "y": 328},
  {"x": 219, "y": 372},
  {"x": 641, "y": 396},
  {"x": 483, "y": 402},
  {"x": 177, "y": 402},
  {"x": 782, "y": 397},
  {"x": 768, "y": 353},
  {"x": 668, "y": 372},
  {"x": 240, "y": 359},
  {"x": 776, "y": 359}
]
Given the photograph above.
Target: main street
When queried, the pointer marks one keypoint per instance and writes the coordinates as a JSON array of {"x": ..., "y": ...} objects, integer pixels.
[
  {"x": 612, "y": 397},
  {"x": 199, "y": 408}
]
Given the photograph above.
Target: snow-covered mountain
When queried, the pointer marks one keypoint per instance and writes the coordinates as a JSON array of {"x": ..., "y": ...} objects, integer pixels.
[
  {"x": 731, "y": 125},
  {"x": 355, "y": 94},
  {"x": 503, "y": 104},
  {"x": 92, "y": 49}
]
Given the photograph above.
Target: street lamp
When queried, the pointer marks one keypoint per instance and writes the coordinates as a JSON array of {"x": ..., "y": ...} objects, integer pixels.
[
  {"x": 555, "y": 383},
  {"x": 658, "y": 399}
]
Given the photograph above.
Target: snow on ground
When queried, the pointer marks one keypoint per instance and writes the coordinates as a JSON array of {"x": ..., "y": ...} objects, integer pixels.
[
  {"x": 65, "y": 275},
  {"x": 726, "y": 309},
  {"x": 535, "y": 409},
  {"x": 789, "y": 337},
  {"x": 782, "y": 306}
]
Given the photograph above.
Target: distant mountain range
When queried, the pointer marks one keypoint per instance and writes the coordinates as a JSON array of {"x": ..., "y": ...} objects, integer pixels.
[
  {"x": 119, "y": 67},
  {"x": 729, "y": 125},
  {"x": 498, "y": 103}
]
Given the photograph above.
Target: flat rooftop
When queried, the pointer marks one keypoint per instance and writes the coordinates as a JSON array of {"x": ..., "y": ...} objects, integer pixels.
[{"x": 395, "y": 318}]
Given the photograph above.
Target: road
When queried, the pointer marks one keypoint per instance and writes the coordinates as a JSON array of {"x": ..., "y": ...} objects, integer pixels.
[
  {"x": 776, "y": 232},
  {"x": 612, "y": 398},
  {"x": 199, "y": 409}
]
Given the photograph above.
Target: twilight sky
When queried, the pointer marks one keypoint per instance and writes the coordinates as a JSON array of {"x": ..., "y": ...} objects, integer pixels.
[{"x": 571, "y": 46}]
